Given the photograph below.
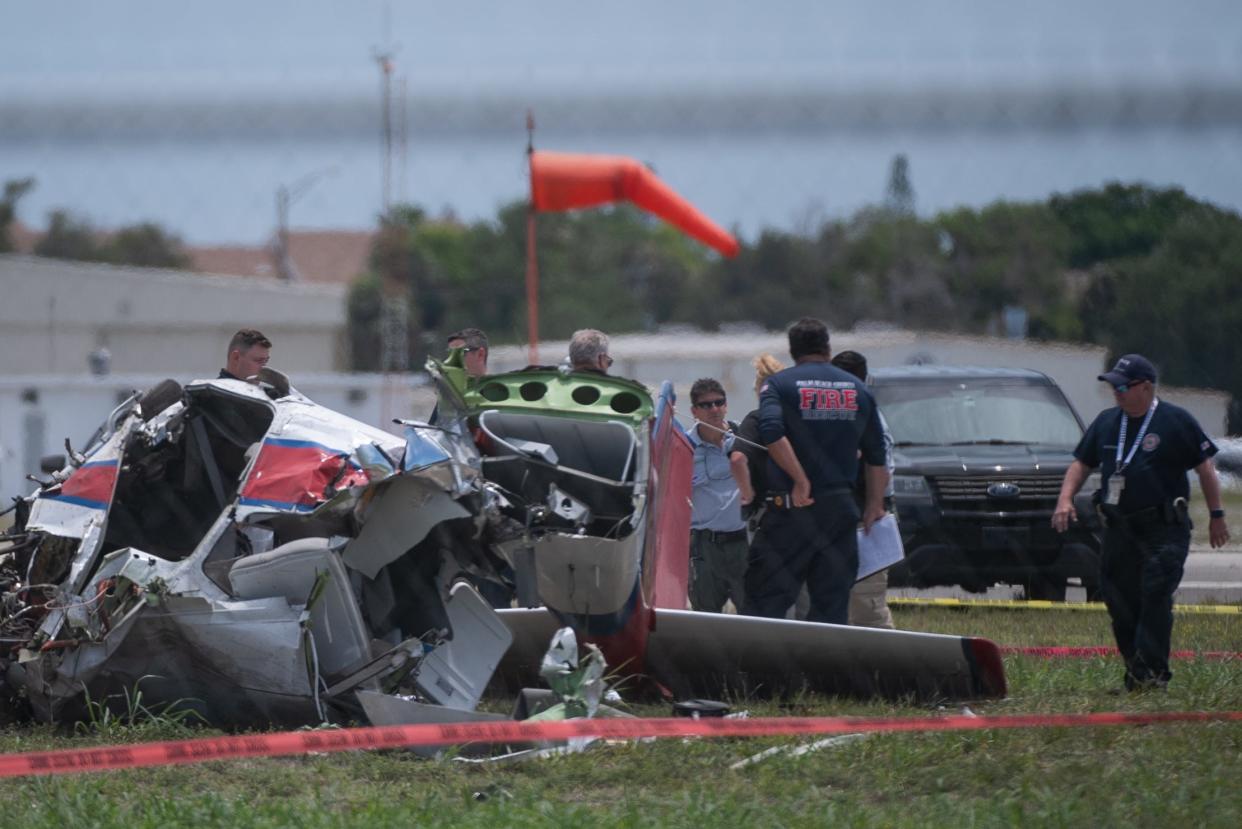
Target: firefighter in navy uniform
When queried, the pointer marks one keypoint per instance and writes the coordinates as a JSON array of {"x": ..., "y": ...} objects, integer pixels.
[
  {"x": 1143, "y": 448},
  {"x": 816, "y": 421}
]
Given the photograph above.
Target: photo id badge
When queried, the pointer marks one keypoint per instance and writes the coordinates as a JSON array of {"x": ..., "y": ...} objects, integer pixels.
[{"x": 1116, "y": 483}]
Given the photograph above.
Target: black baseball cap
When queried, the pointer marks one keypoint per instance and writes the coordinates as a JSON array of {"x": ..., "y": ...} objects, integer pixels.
[{"x": 1130, "y": 368}]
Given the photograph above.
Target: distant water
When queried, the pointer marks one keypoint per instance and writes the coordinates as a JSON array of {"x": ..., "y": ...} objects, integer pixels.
[
  {"x": 223, "y": 190},
  {"x": 750, "y": 109}
]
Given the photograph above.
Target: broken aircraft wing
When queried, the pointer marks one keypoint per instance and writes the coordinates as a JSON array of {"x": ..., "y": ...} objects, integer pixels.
[{"x": 694, "y": 654}]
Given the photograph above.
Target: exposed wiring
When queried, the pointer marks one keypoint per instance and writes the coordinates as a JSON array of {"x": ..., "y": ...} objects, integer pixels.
[{"x": 312, "y": 655}]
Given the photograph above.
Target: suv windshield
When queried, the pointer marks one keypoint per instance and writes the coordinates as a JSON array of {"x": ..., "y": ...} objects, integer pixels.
[{"x": 977, "y": 411}]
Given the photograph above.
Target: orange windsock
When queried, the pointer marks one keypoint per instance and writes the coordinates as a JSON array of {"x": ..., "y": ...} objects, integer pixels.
[{"x": 564, "y": 181}]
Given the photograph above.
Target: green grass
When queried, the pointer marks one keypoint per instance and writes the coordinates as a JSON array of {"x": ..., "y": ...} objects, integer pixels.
[{"x": 1129, "y": 776}]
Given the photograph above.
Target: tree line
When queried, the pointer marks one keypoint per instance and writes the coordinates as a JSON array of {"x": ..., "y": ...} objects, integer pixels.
[
  {"x": 145, "y": 244},
  {"x": 1126, "y": 266}
]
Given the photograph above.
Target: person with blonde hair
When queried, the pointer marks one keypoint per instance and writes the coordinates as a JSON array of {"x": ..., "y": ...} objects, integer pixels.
[
  {"x": 750, "y": 447},
  {"x": 765, "y": 366}
]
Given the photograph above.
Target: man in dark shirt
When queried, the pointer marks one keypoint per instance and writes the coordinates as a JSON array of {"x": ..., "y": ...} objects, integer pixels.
[
  {"x": 1143, "y": 448},
  {"x": 818, "y": 422},
  {"x": 588, "y": 351},
  {"x": 249, "y": 351},
  {"x": 474, "y": 346}
]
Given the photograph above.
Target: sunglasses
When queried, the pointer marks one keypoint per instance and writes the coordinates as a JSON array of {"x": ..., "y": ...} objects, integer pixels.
[
  {"x": 1125, "y": 387},
  {"x": 718, "y": 403},
  {"x": 608, "y": 361}
]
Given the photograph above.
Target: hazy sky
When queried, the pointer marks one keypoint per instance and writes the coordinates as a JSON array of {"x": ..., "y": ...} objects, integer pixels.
[
  {"x": 253, "y": 47},
  {"x": 192, "y": 58}
]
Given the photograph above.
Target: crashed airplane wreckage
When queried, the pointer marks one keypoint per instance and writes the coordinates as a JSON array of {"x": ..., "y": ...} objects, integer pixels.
[
  {"x": 250, "y": 554},
  {"x": 598, "y": 475},
  {"x": 245, "y": 552}
]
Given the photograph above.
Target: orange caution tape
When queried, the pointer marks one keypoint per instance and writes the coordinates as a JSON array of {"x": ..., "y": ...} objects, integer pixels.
[{"x": 177, "y": 752}]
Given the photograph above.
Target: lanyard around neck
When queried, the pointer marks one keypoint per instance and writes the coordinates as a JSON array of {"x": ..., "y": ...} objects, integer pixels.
[{"x": 1121, "y": 438}]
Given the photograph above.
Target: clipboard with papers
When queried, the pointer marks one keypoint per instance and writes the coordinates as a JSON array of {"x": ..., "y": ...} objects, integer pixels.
[{"x": 881, "y": 548}]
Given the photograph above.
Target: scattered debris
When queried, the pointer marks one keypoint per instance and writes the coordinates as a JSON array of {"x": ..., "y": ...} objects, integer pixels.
[
  {"x": 799, "y": 750},
  {"x": 696, "y": 708}
]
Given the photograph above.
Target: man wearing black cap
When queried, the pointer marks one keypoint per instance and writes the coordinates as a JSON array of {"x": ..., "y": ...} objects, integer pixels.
[{"x": 1143, "y": 447}]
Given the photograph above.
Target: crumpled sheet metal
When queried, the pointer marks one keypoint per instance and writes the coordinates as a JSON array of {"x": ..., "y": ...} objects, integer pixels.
[
  {"x": 402, "y": 514},
  {"x": 579, "y": 683},
  {"x": 236, "y": 661}
]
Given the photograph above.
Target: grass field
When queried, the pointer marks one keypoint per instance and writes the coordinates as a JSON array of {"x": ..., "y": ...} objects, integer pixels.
[{"x": 1184, "y": 775}]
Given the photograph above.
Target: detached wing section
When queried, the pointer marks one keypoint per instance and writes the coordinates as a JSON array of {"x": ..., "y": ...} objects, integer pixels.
[{"x": 696, "y": 654}]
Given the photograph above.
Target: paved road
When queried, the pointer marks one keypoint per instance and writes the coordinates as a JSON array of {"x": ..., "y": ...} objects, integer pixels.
[{"x": 1210, "y": 578}]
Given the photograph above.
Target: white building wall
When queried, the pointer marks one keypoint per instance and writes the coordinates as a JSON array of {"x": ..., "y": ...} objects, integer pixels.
[{"x": 53, "y": 313}]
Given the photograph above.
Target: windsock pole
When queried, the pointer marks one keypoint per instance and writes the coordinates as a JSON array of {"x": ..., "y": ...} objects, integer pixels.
[{"x": 532, "y": 260}]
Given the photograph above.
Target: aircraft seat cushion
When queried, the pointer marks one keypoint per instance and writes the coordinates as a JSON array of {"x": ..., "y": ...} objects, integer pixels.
[
  {"x": 290, "y": 570},
  {"x": 605, "y": 449}
]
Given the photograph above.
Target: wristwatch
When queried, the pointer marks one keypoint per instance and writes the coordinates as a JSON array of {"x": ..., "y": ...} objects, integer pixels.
[{"x": 1216, "y": 513}]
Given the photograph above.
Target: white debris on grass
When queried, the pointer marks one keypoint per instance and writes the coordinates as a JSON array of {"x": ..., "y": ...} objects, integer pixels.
[{"x": 799, "y": 750}]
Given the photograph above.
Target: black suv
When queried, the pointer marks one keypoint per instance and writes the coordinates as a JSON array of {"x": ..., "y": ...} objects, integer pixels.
[{"x": 980, "y": 454}]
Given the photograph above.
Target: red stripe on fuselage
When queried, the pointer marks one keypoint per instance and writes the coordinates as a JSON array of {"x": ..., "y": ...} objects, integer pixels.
[
  {"x": 92, "y": 482},
  {"x": 298, "y": 474}
]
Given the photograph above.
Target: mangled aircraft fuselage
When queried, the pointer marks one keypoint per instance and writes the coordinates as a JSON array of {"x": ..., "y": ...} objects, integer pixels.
[
  {"x": 253, "y": 555},
  {"x": 595, "y": 476}
]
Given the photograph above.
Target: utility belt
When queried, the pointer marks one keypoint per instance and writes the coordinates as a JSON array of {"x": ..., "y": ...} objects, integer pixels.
[
  {"x": 1175, "y": 513},
  {"x": 718, "y": 536},
  {"x": 784, "y": 500}
]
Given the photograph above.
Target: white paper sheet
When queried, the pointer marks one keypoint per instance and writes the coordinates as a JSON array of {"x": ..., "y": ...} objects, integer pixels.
[{"x": 881, "y": 548}]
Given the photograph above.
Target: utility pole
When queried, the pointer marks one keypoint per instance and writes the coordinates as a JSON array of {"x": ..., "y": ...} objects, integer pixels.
[
  {"x": 395, "y": 293},
  {"x": 384, "y": 59},
  {"x": 403, "y": 140},
  {"x": 532, "y": 257},
  {"x": 286, "y": 269},
  {"x": 394, "y": 320}
]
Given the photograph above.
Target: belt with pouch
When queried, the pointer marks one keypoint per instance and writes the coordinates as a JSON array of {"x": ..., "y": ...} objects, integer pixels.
[
  {"x": 784, "y": 500},
  {"x": 1174, "y": 512}
]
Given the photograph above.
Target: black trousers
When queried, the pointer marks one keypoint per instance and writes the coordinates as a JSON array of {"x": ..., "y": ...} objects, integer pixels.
[
  {"x": 815, "y": 545},
  {"x": 1140, "y": 568}
]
